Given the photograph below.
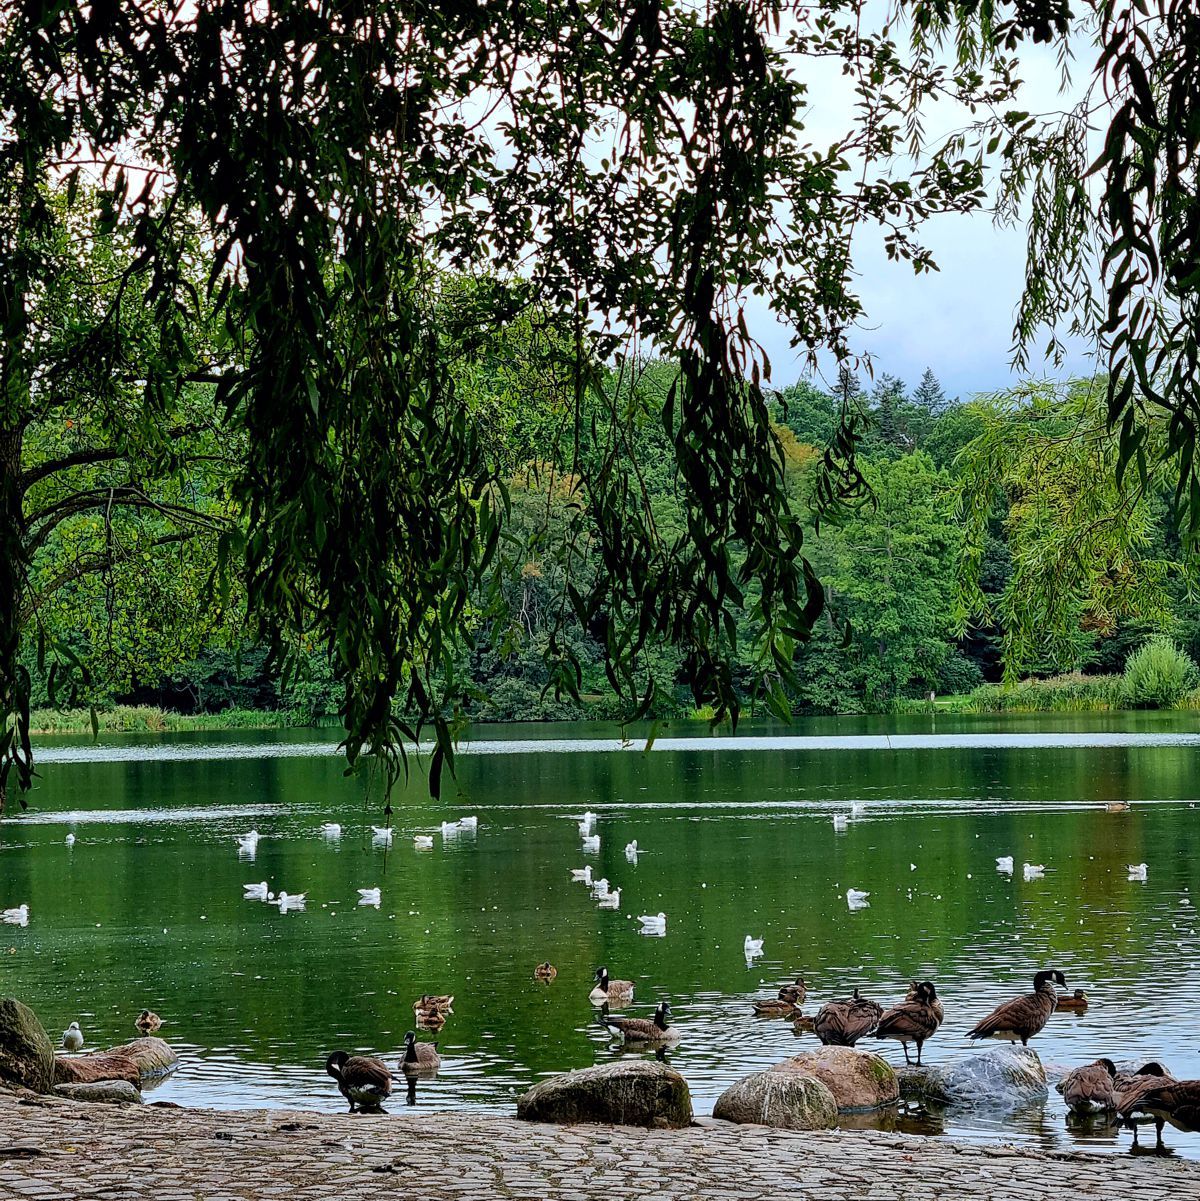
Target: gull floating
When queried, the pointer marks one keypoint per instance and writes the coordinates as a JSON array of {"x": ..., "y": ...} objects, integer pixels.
[
  {"x": 583, "y": 874},
  {"x": 1034, "y": 871},
  {"x": 839, "y": 821},
  {"x": 1137, "y": 871},
  {"x": 368, "y": 896},
  {"x": 591, "y": 845},
  {"x": 1004, "y": 863},
  {"x": 70, "y": 840},
  {"x": 382, "y": 834},
  {"x": 752, "y": 946},
  {"x": 856, "y": 894},
  {"x": 610, "y": 900},
  {"x": 255, "y": 892},
  {"x": 653, "y": 923},
  {"x": 331, "y": 830},
  {"x": 423, "y": 842}
]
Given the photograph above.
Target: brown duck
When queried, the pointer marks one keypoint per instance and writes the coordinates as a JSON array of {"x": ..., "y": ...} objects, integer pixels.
[
  {"x": 913, "y": 1021},
  {"x": 1023, "y": 1017},
  {"x": 419, "y": 1057},
  {"x": 1090, "y": 1089},
  {"x": 776, "y": 1008},
  {"x": 843, "y": 1023},
  {"x": 148, "y": 1022},
  {"x": 1075, "y": 1002},
  {"x": 426, "y": 1004},
  {"x": 365, "y": 1082},
  {"x": 545, "y": 971},
  {"x": 1176, "y": 1101},
  {"x": 796, "y": 993},
  {"x": 1131, "y": 1087},
  {"x": 644, "y": 1030}
]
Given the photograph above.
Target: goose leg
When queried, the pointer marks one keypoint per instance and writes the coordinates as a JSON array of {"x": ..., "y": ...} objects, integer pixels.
[
  {"x": 1158, "y": 1129},
  {"x": 907, "y": 1061},
  {"x": 919, "y": 1045}
]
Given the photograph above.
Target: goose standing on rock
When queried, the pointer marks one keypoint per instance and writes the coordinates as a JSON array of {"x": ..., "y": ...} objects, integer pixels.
[
  {"x": 364, "y": 1081},
  {"x": 912, "y": 1021},
  {"x": 1023, "y": 1017},
  {"x": 1090, "y": 1089},
  {"x": 72, "y": 1039},
  {"x": 615, "y": 992},
  {"x": 419, "y": 1057},
  {"x": 644, "y": 1030},
  {"x": 843, "y": 1023}
]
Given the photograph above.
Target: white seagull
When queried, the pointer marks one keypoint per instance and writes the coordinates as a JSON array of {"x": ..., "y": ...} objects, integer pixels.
[
  {"x": 653, "y": 923},
  {"x": 582, "y": 874},
  {"x": 72, "y": 1038},
  {"x": 856, "y": 894},
  {"x": 16, "y": 917},
  {"x": 382, "y": 834},
  {"x": 600, "y": 889},
  {"x": 70, "y": 840},
  {"x": 469, "y": 823},
  {"x": 839, "y": 821},
  {"x": 1034, "y": 871},
  {"x": 591, "y": 845},
  {"x": 423, "y": 842},
  {"x": 1004, "y": 863},
  {"x": 255, "y": 892},
  {"x": 1137, "y": 871},
  {"x": 248, "y": 842},
  {"x": 631, "y": 851},
  {"x": 610, "y": 900},
  {"x": 288, "y": 901},
  {"x": 368, "y": 896},
  {"x": 752, "y": 946},
  {"x": 331, "y": 830},
  {"x": 450, "y": 829}
]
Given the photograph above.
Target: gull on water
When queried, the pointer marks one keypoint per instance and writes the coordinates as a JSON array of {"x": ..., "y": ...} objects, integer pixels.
[
  {"x": 288, "y": 901},
  {"x": 1034, "y": 871},
  {"x": 631, "y": 851},
  {"x": 856, "y": 894},
  {"x": 591, "y": 844},
  {"x": 255, "y": 892},
  {"x": 423, "y": 842},
  {"x": 752, "y": 946},
  {"x": 839, "y": 821},
  {"x": 1004, "y": 863},
  {"x": 331, "y": 830},
  {"x": 368, "y": 896},
  {"x": 582, "y": 874},
  {"x": 70, "y": 840},
  {"x": 610, "y": 900},
  {"x": 1137, "y": 871},
  {"x": 653, "y": 923},
  {"x": 382, "y": 834},
  {"x": 600, "y": 889},
  {"x": 18, "y": 916}
]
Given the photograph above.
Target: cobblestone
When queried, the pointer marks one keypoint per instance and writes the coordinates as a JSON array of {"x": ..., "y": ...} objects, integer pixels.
[{"x": 56, "y": 1148}]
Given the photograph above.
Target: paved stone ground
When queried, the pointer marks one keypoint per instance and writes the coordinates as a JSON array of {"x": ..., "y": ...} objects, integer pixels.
[{"x": 59, "y": 1149}]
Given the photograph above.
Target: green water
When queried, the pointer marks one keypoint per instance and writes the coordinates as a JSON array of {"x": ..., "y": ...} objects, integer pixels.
[{"x": 146, "y": 909}]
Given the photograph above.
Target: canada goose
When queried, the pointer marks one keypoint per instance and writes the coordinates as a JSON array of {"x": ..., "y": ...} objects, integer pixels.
[
  {"x": 72, "y": 1039},
  {"x": 365, "y": 1082},
  {"x": 1090, "y": 1089},
  {"x": 795, "y": 992},
  {"x": 426, "y": 1003},
  {"x": 147, "y": 1022},
  {"x": 1004, "y": 863},
  {"x": 369, "y": 896},
  {"x": 1137, "y": 871},
  {"x": 1077, "y": 1002},
  {"x": 912, "y": 1021},
  {"x": 1025, "y": 1016},
  {"x": 776, "y": 1008},
  {"x": 255, "y": 892},
  {"x": 545, "y": 971},
  {"x": 618, "y": 992},
  {"x": 843, "y": 1023},
  {"x": 419, "y": 1057},
  {"x": 645, "y": 1030},
  {"x": 1177, "y": 1102},
  {"x": 934, "y": 1002},
  {"x": 752, "y": 946},
  {"x": 1131, "y": 1087}
]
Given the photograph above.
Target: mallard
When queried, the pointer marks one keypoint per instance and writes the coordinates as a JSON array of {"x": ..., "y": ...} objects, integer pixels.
[
  {"x": 1090, "y": 1089},
  {"x": 1076, "y": 1001},
  {"x": 364, "y": 1081},
  {"x": 775, "y": 1008},
  {"x": 1131, "y": 1087},
  {"x": 72, "y": 1039},
  {"x": 644, "y": 1030},
  {"x": 912, "y": 1021},
  {"x": 545, "y": 971},
  {"x": 430, "y": 1021},
  {"x": 796, "y": 992},
  {"x": 1117, "y": 807},
  {"x": 419, "y": 1057},
  {"x": 803, "y": 1025},
  {"x": 1025, "y": 1016},
  {"x": 427, "y": 1004},
  {"x": 843, "y": 1023},
  {"x": 618, "y": 992},
  {"x": 147, "y": 1022}
]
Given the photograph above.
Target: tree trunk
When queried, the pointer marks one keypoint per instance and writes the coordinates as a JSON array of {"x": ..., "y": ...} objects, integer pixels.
[{"x": 13, "y": 698}]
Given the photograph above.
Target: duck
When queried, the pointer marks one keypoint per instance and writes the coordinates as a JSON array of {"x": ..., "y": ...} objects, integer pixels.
[
  {"x": 1034, "y": 871},
  {"x": 422, "y": 842},
  {"x": 1117, "y": 807},
  {"x": 1076, "y": 1002},
  {"x": 255, "y": 892},
  {"x": 426, "y": 1003},
  {"x": 653, "y": 923},
  {"x": 1004, "y": 863},
  {"x": 914, "y": 1020},
  {"x": 430, "y": 1019},
  {"x": 363, "y": 1080},
  {"x": 72, "y": 1039},
  {"x": 1137, "y": 871},
  {"x": 1090, "y": 1089},
  {"x": 752, "y": 946},
  {"x": 644, "y": 1030},
  {"x": 1176, "y": 1101},
  {"x": 369, "y": 896},
  {"x": 16, "y": 917},
  {"x": 545, "y": 971},
  {"x": 776, "y": 1007},
  {"x": 419, "y": 1057},
  {"x": 69, "y": 840},
  {"x": 147, "y": 1022},
  {"x": 843, "y": 1023},
  {"x": 802, "y": 1024},
  {"x": 331, "y": 830},
  {"x": 591, "y": 844},
  {"x": 1022, "y": 1017},
  {"x": 610, "y": 900},
  {"x": 796, "y": 992},
  {"x": 381, "y": 834},
  {"x": 614, "y": 991},
  {"x": 1131, "y": 1087},
  {"x": 582, "y": 874}
]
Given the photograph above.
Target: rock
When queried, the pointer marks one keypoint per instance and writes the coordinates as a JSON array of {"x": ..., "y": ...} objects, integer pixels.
[
  {"x": 785, "y": 1100},
  {"x": 153, "y": 1056},
  {"x": 99, "y": 1065},
  {"x": 998, "y": 1078},
  {"x": 630, "y": 1093},
  {"x": 26, "y": 1053},
  {"x": 115, "y": 1092},
  {"x": 858, "y": 1080}
]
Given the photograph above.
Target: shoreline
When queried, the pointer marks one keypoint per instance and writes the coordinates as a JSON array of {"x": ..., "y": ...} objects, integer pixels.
[{"x": 62, "y": 1149}]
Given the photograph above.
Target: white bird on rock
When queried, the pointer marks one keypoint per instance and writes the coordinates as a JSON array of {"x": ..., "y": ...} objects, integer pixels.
[{"x": 72, "y": 1039}]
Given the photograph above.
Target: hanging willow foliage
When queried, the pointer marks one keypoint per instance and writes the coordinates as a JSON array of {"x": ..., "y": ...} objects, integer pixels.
[{"x": 638, "y": 168}]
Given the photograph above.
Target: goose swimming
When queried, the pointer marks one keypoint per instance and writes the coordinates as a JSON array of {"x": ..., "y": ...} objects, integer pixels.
[
  {"x": 619, "y": 992},
  {"x": 644, "y": 1030},
  {"x": 419, "y": 1057}
]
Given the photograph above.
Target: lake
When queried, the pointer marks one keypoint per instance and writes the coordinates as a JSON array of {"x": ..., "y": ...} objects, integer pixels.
[{"x": 147, "y": 908}]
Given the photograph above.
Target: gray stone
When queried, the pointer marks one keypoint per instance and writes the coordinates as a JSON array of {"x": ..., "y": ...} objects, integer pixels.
[
  {"x": 998, "y": 1078},
  {"x": 26, "y": 1053},
  {"x": 630, "y": 1093},
  {"x": 785, "y": 1100},
  {"x": 115, "y": 1092},
  {"x": 859, "y": 1080}
]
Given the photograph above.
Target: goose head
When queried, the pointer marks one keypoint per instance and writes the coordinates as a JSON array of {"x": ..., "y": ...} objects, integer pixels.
[{"x": 335, "y": 1062}]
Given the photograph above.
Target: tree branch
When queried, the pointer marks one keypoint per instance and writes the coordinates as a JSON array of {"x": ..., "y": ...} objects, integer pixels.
[{"x": 92, "y": 455}]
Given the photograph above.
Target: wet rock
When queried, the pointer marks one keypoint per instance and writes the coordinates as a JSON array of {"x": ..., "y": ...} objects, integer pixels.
[
  {"x": 26, "y": 1053},
  {"x": 998, "y": 1078},
  {"x": 785, "y": 1100},
  {"x": 99, "y": 1065},
  {"x": 153, "y": 1056},
  {"x": 859, "y": 1080},
  {"x": 622, "y": 1094},
  {"x": 113, "y": 1092}
]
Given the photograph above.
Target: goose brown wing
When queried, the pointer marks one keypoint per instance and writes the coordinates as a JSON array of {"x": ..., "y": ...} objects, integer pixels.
[
  {"x": 1091, "y": 1083},
  {"x": 911, "y": 1020},
  {"x": 1132, "y": 1089},
  {"x": 843, "y": 1023},
  {"x": 1178, "y": 1102},
  {"x": 634, "y": 1027},
  {"x": 1027, "y": 1014},
  {"x": 364, "y": 1072}
]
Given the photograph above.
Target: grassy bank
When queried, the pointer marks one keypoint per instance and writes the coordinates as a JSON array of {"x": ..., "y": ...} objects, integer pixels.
[
  {"x": 145, "y": 719},
  {"x": 1072, "y": 693}
]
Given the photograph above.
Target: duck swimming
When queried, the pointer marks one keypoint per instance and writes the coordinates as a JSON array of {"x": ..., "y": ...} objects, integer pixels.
[
  {"x": 545, "y": 971},
  {"x": 147, "y": 1022}
]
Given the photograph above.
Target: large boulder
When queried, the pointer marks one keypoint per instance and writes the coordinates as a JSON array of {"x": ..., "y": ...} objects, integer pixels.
[
  {"x": 786, "y": 1100},
  {"x": 99, "y": 1065},
  {"x": 858, "y": 1080},
  {"x": 631, "y": 1093},
  {"x": 113, "y": 1092},
  {"x": 153, "y": 1056},
  {"x": 26, "y": 1053},
  {"x": 998, "y": 1078}
]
